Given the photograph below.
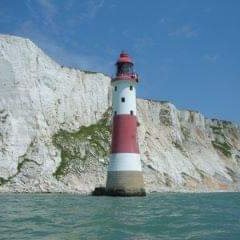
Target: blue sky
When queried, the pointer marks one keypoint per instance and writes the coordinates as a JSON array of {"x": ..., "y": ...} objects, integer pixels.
[{"x": 186, "y": 52}]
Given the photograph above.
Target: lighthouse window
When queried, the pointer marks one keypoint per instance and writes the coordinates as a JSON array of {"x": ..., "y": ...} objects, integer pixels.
[
  {"x": 131, "y": 112},
  {"x": 115, "y": 88},
  {"x": 131, "y": 88},
  {"x": 123, "y": 99},
  {"x": 115, "y": 112}
]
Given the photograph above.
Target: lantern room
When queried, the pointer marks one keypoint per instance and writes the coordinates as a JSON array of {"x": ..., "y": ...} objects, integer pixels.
[{"x": 124, "y": 69}]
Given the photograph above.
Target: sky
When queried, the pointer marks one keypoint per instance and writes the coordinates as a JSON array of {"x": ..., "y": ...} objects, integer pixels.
[{"x": 186, "y": 52}]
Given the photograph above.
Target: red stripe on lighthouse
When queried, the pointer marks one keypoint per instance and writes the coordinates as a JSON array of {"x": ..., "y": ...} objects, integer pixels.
[{"x": 124, "y": 134}]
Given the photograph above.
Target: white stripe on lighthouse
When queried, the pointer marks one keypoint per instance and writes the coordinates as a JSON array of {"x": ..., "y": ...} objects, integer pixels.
[
  {"x": 123, "y": 92},
  {"x": 125, "y": 162}
]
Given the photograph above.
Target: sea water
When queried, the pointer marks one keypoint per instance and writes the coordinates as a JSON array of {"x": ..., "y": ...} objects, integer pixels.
[{"x": 157, "y": 216}]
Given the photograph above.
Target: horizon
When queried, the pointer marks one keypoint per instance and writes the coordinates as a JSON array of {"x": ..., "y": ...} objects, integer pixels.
[{"x": 190, "y": 61}]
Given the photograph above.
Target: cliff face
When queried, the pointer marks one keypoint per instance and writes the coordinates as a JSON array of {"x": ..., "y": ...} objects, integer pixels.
[
  {"x": 55, "y": 132},
  {"x": 182, "y": 150}
]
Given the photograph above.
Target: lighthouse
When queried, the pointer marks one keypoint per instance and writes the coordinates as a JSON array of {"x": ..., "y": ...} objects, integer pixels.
[{"x": 124, "y": 176}]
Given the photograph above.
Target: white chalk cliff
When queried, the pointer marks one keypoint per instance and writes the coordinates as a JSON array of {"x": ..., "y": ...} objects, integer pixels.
[{"x": 55, "y": 132}]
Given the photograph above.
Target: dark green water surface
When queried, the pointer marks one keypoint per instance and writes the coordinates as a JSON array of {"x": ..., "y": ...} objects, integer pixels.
[{"x": 157, "y": 216}]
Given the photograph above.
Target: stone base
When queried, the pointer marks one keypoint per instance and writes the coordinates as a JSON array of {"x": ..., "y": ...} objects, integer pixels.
[
  {"x": 122, "y": 183},
  {"x": 125, "y": 183}
]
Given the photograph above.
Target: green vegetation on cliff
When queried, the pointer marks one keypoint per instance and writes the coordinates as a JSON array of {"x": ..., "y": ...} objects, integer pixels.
[
  {"x": 78, "y": 148},
  {"x": 224, "y": 147},
  {"x": 220, "y": 142},
  {"x": 19, "y": 168}
]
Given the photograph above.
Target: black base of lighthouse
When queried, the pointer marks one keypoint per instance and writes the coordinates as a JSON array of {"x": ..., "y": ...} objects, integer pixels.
[
  {"x": 102, "y": 191},
  {"x": 126, "y": 193}
]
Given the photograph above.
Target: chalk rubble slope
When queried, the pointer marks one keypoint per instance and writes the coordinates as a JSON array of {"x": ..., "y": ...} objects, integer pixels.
[{"x": 55, "y": 132}]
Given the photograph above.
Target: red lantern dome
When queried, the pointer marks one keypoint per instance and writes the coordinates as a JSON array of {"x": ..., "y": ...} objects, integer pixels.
[{"x": 124, "y": 58}]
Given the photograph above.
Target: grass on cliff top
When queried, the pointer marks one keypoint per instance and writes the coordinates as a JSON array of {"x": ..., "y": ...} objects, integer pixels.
[{"x": 78, "y": 147}]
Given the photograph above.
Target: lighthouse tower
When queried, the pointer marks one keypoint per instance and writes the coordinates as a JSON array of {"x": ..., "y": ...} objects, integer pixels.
[{"x": 124, "y": 173}]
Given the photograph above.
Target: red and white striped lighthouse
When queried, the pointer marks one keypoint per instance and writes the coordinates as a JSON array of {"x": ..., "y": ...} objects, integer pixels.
[{"x": 124, "y": 173}]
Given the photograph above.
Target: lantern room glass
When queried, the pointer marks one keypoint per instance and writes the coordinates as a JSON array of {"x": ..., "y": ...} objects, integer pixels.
[{"x": 124, "y": 68}]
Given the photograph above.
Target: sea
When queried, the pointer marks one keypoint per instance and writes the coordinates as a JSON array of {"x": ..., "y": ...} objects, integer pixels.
[{"x": 157, "y": 216}]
